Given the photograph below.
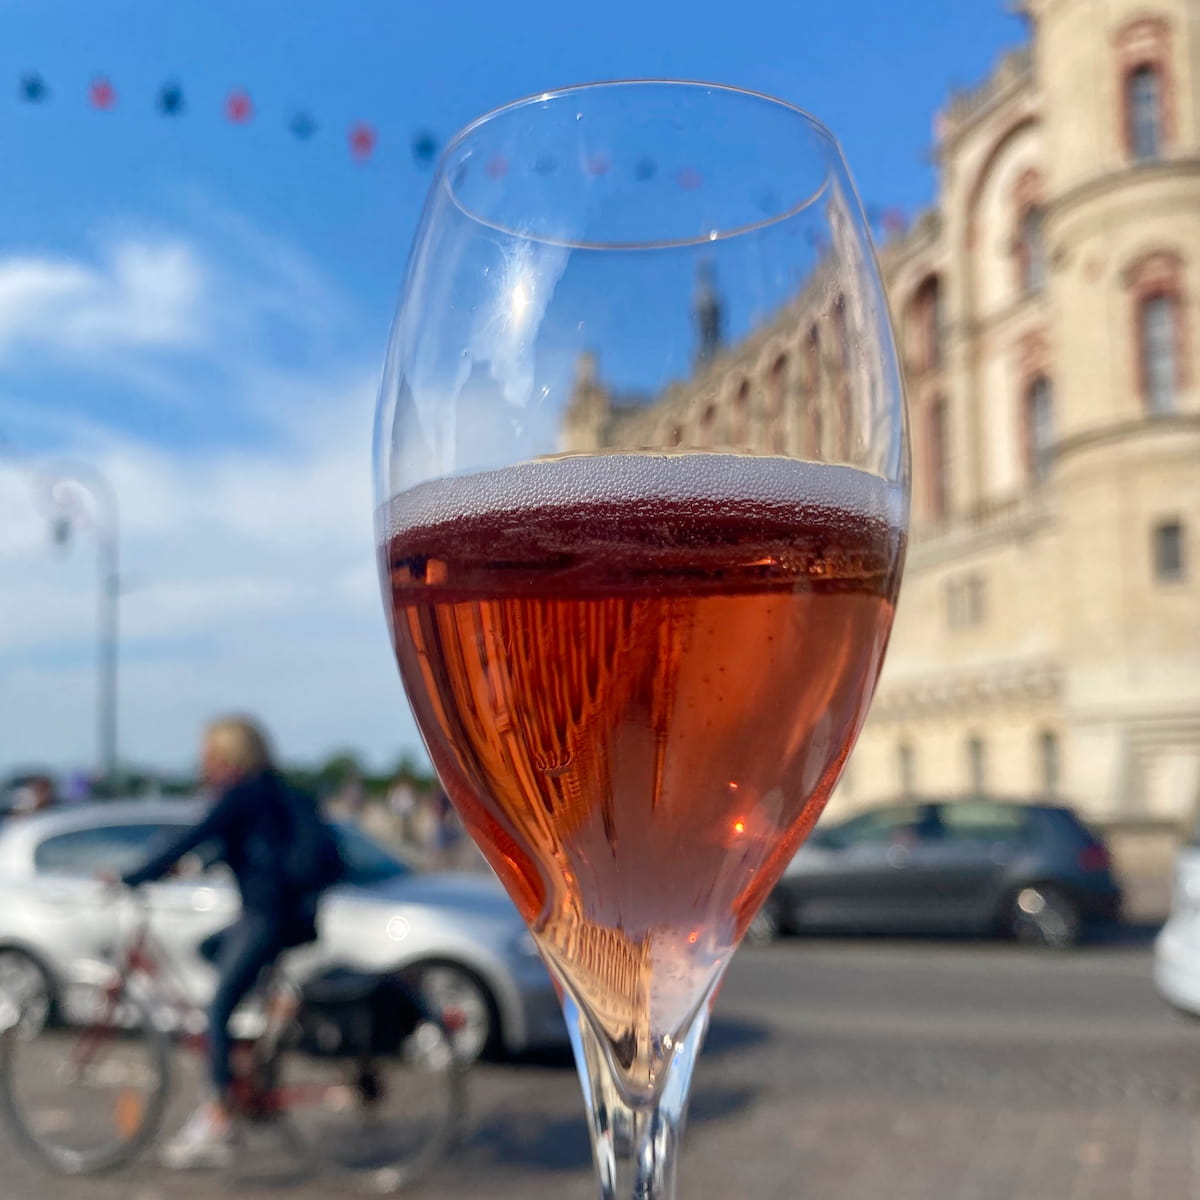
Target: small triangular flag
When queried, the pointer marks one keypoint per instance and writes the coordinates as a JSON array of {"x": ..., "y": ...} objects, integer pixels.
[
  {"x": 33, "y": 88},
  {"x": 362, "y": 140},
  {"x": 102, "y": 94},
  {"x": 238, "y": 107},
  {"x": 170, "y": 99}
]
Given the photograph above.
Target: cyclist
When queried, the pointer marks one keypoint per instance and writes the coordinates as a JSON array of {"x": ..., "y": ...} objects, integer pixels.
[{"x": 254, "y": 826}]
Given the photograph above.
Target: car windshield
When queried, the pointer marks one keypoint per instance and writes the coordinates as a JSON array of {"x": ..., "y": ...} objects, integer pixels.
[{"x": 366, "y": 860}]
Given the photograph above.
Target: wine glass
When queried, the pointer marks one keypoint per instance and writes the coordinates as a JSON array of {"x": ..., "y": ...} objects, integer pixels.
[{"x": 642, "y": 499}]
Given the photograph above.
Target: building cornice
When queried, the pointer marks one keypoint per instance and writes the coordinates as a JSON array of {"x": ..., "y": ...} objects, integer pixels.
[
  {"x": 970, "y": 108},
  {"x": 986, "y": 525},
  {"x": 1094, "y": 187},
  {"x": 979, "y": 690},
  {"x": 1123, "y": 430}
]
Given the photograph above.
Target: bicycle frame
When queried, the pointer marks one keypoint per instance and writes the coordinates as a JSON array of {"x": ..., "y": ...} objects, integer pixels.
[{"x": 142, "y": 957}]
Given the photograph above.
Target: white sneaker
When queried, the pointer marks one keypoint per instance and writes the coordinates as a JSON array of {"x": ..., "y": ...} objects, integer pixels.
[{"x": 204, "y": 1143}]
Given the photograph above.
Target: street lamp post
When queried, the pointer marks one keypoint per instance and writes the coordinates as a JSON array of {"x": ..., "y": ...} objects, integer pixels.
[{"x": 63, "y": 490}]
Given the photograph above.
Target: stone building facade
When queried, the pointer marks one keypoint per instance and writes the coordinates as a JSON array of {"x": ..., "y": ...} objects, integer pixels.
[{"x": 1048, "y": 316}]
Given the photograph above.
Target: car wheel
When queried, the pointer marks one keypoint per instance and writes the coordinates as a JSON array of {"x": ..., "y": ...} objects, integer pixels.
[
  {"x": 465, "y": 1004},
  {"x": 26, "y": 984},
  {"x": 1044, "y": 915}
]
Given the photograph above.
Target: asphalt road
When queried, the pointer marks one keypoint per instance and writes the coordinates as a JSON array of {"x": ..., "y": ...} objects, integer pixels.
[{"x": 854, "y": 1071}]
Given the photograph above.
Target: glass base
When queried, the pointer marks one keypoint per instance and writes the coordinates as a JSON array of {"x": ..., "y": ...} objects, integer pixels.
[{"x": 635, "y": 1140}]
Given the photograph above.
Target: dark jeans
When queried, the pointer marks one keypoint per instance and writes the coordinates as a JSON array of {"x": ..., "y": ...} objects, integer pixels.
[{"x": 240, "y": 954}]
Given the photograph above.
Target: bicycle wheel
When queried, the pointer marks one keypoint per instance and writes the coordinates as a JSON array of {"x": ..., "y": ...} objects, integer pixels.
[
  {"x": 383, "y": 1120},
  {"x": 86, "y": 1099}
]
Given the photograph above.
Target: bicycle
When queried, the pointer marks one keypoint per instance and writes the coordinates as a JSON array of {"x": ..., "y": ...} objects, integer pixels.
[{"x": 374, "y": 1094}]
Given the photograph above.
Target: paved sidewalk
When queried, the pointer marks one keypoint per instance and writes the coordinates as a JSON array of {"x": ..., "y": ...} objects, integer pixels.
[{"x": 846, "y": 1072}]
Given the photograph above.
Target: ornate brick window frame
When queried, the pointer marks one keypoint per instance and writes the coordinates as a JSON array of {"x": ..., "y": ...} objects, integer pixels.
[
  {"x": 1145, "y": 44},
  {"x": 1030, "y": 261},
  {"x": 1157, "y": 275},
  {"x": 924, "y": 326},
  {"x": 1035, "y": 384}
]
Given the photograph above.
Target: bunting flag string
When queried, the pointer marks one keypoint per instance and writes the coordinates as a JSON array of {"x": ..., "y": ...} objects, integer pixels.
[{"x": 363, "y": 139}]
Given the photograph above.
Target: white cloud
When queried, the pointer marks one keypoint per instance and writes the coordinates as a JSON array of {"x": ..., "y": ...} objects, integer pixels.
[
  {"x": 141, "y": 295},
  {"x": 248, "y": 563}
]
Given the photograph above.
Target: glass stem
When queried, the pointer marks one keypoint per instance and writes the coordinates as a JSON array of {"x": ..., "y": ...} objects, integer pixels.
[{"x": 635, "y": 1142}]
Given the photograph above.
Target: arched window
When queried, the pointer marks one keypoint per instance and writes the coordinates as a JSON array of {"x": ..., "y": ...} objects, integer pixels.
[
  {"x": 1031, "y": 250},
  {"x": 1144, "y": 111},
  {"x": 741, "y": 409},
  {"x": 777, "y": 387},
  {"x": 1038, "y": 421},
  {"x": 777, "y": 383},
  {"x": 925, "y": 338},
  {"x": 812, "y": 360},
  {"x": 1146, "y": 84},
  {"x": 1158, "y": 320},
  {"x": 936, "y": 452}
]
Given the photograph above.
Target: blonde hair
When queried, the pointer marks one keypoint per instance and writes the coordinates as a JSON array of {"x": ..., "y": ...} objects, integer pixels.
[{"x": 240, "y": 743}]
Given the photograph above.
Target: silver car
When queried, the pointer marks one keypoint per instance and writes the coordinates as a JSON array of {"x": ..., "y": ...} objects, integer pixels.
[
  {"x": 1177, "y": 947},
  {"x": 458, "y": 933}
]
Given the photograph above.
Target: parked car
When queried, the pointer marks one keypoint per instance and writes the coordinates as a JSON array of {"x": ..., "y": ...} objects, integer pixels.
[
  {"x": 459, "y": 934},
  {"x": 1177, "y": 947},
  {"x": 1033, "y": 871}
]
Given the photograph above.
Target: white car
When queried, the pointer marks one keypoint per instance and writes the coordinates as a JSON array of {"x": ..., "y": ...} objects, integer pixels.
[
  {"x": 458, "y": 933},
  {"x": 1177, "y": 947}
]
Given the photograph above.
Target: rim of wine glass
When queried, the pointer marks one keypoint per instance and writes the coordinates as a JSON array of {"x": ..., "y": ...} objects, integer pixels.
[{"x": 816, "y": 126}]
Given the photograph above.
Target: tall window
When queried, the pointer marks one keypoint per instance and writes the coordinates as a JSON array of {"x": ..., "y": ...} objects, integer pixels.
[
  {"x": 812, "y": 360},
  {"x": 776, "y": 386},
  {"x": 976, "y": 766},
  {"x": 841, "y": 331},
  {"x": 1048, "y": 762},
  {"x": 925, "y": 345},
  {"x": 1157, "y": 326},
  {"x": 1039, "y": 427},
  {"x": 1031, "y": 250},
  {"x": 966, "y": 601},
  {"x": 1169, "y": 564},
  {"x": 937, "y": 488},
  {"x": 812, "y": 386},
  {"x": 1143, "y": 111},
  {"x": 776, "y": 394},
  {"x": 906, "y": 769}
]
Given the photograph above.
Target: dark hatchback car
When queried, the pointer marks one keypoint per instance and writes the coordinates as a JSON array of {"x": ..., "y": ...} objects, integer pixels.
[{"x": 1032, "y": 871}]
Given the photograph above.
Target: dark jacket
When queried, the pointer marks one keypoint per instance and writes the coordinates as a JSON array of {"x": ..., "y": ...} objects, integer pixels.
[{"x": 247, "y": 829}]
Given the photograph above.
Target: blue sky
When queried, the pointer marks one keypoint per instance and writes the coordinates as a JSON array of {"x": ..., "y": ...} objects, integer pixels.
[{"x": 201, "y": 308}]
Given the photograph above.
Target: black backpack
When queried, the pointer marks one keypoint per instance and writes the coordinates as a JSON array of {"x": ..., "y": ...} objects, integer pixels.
[{"x": 312, "y": 858}]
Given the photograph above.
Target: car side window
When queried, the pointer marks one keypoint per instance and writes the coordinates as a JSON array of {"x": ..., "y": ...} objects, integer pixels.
[
  {"x": 83, "y": 852},
  {"x": 984, "y": 821},
  {"x": 878, "y": 827}
]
